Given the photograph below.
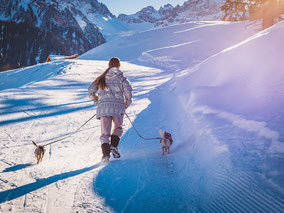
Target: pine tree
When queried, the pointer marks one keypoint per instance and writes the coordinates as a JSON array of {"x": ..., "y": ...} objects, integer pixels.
[{"x": 267, "y": 10}]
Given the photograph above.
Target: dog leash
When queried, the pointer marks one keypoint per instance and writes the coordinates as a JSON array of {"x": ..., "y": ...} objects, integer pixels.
[
  {"x": 138, "y": 132},
  {"x": 71, "y": 133},
  {"x": 133, "y": 124}
]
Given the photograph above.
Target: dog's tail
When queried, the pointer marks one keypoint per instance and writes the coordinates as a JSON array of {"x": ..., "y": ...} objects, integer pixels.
[
  {"x": 35, "y": 143},
  {"x": 161, "y": 132}
]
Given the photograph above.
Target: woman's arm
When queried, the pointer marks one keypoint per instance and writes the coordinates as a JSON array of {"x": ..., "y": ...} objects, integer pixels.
[
  {"x": 92, "y": 90},
  {"x": 127, "y": 91}
]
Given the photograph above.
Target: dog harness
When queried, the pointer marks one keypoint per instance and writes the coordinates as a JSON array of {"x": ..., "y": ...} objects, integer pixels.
[{"x": 169, "y": 137}]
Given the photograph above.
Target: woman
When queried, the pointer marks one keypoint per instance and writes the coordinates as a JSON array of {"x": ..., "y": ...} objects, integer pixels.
[{"x": 114, "y": 96}]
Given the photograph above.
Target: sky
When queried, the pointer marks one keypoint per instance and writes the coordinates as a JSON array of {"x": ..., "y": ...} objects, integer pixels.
[{"x": 117, "y": 7}]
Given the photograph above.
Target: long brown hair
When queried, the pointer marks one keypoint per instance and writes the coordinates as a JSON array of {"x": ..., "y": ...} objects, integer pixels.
[{"x": 101, "y": 80}]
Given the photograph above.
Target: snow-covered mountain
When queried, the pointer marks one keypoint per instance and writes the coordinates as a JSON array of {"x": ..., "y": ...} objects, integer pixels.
[
  {"x": 33, "y": 29},
  {"x": 189, "y": 11}
]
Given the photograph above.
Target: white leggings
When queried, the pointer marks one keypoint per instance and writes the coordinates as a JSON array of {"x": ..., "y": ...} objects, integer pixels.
[{"x": 106, "y": 122}]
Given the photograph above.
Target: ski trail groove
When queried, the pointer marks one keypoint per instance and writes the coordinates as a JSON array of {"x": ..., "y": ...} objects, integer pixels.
[{"x": 62, "y": 193}]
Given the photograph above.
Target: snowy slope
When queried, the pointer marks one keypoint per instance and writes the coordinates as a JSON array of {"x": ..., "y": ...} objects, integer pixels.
[
  {"x": 173, "y": 48},
  {"x": 208, "y": 83}
]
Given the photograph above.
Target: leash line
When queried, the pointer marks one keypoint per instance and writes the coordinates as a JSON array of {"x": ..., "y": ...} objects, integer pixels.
[
  {"x": 138, "y": 132},
  {"x": 61, "y": 139},
  {"x": 71, "y": 133},
  {"x": 133, "y": 124}
]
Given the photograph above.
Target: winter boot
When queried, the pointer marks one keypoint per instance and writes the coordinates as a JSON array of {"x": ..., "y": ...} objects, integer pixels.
[
  {"x": 113, "y": 146},
  {"x": 106, "y": 152}
]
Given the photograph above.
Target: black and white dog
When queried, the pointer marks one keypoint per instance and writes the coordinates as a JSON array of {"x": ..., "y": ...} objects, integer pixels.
[{"x": 166, "y": 141}]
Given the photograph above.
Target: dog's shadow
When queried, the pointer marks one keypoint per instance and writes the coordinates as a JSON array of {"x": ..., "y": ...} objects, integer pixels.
[{"x": 17, "y": 167}]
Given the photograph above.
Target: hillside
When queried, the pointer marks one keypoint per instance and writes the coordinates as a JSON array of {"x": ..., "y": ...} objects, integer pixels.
[
  {"x": 33, "y": 29},
  {"x": 210, "y": 84}
]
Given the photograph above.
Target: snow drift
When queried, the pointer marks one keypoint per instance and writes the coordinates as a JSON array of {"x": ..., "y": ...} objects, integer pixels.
[{"x": 242, "y": 87}]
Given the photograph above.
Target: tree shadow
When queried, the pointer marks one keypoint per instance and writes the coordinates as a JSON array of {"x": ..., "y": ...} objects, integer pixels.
[
  {"x": 59, "y": 111},
  {"x": 25, "y": 189},
  {"x": 17, "y": 167},
  {"x": 30, "y": 108},
  {"x": 31, "y": 74}
]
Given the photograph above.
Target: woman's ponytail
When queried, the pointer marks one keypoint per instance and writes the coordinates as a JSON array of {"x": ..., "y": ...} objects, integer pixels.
[{"x": 101, "y": 80}]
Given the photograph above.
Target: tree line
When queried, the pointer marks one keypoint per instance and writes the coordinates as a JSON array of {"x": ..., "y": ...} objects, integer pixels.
[{"x": 269, "y": 11}]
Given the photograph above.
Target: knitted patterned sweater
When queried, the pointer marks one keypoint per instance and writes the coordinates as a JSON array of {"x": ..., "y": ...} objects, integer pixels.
[{"x": 112, "y": 100}]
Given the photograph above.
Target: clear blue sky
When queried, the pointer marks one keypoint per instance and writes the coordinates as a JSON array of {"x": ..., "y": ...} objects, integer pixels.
[{"x": 132, "y": 6}]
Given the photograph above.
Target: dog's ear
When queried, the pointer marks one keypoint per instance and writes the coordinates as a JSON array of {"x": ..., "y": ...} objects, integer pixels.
[{"x": 161, "y": 132}]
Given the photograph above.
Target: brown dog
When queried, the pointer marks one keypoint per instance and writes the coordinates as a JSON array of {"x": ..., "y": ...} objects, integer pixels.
[
  {"x": 39, "y": 152},
  {"x": 166, "y": 141}
]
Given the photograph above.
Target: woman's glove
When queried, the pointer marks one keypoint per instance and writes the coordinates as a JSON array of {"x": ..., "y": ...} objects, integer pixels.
[
  {"x": 92, "y": 92},
  {"x": 96, "y": 99}
]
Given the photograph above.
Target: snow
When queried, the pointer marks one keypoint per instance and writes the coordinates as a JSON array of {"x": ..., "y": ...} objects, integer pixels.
[
  {"x": 112, "y": 28},
  {"x": 106, "y": 19},
  {"x": 182, "y": 44},
  {"x": 24, "y": 4},
  {"x": 81, "y": 22},
  {"x": 58, "y": 57},
  {"x": 217, "y": 87}
]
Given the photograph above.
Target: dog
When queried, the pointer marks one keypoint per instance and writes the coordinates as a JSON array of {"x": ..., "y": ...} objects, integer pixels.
[
  {"x": 166, "y": 141},
  {"x": 39, "y": 152}
]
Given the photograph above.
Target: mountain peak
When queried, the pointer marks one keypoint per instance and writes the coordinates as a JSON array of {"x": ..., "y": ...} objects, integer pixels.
[{"x": 189, "y": 11}]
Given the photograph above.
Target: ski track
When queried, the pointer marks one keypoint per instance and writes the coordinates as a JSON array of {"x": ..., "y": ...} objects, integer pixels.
[{"x": 59, "y": 194}]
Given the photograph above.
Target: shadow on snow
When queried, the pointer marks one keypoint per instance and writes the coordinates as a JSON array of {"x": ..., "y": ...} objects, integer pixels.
[
  {"x": 25, "y": 189},
  {"x": 17, "y": 167}
]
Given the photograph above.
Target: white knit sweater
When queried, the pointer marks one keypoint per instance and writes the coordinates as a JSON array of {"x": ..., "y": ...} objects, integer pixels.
[{"x": 111, "y": 101}]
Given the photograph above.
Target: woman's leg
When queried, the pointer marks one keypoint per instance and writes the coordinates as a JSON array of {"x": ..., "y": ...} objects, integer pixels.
[
  {"x": 105, "y": 129},
  {"x": 117, "y": 130},
  {"x": 115, "y": 137},
  {"x": 105, "y": 134}
]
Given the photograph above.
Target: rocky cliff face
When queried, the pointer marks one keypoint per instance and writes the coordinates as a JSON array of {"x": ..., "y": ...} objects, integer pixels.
[
  {"x": 191, "y": 10},
  {"x": 33, "y": 29}
]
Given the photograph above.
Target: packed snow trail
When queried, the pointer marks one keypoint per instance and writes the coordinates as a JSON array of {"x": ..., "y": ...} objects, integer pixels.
[
  {"x": 222, "y": 159},
  {"x": 48, "y": 109}
]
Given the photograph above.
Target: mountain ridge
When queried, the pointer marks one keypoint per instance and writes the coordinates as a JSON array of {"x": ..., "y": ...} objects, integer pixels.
[{"x": 167, "y": 14}]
